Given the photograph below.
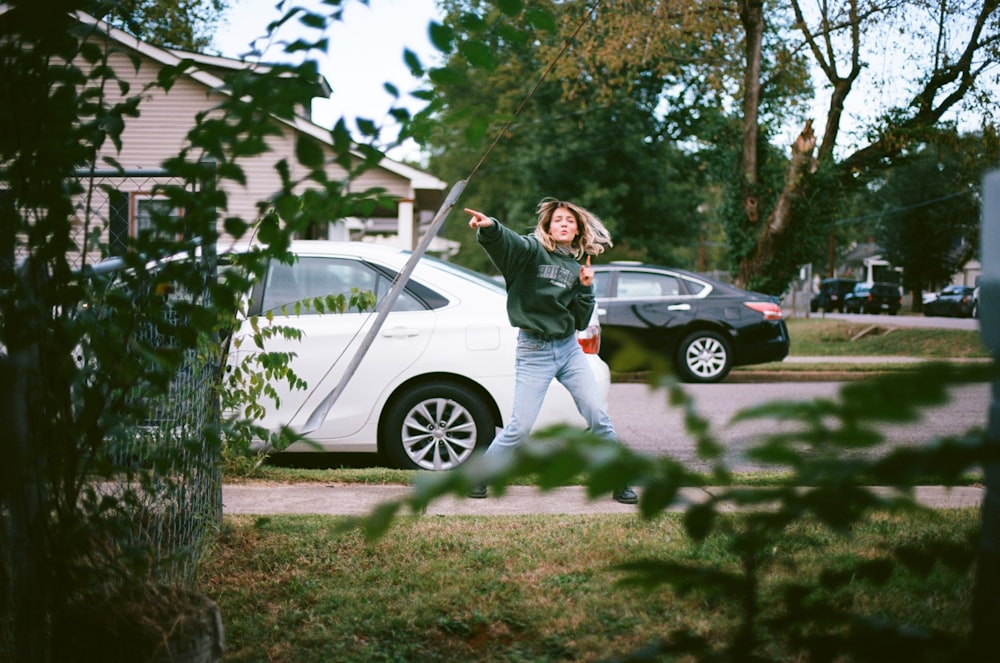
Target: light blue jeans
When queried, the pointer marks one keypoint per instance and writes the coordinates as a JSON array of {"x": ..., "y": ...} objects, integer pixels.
[{"x": 538, "y": 361}]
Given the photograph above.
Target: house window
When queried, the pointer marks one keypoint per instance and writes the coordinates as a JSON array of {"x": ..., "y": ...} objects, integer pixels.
[{"x": 148, "y": 209}]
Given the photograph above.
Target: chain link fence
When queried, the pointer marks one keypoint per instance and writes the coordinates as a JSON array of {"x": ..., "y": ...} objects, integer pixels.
[{"x": 169, "y": 482}]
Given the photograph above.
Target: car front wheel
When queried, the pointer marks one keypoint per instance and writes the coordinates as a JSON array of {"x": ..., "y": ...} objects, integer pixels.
[
  {"x": 704, "y": 356},
  {"x": 435, "y": 426}
]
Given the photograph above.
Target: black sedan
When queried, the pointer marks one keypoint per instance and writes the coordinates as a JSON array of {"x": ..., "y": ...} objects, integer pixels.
[
  {"x": 955, "y": 301},
  {"x": 700, "y": 326}
]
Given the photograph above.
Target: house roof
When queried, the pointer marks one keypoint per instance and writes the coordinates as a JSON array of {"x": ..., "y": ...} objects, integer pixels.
[
  {"x": 207, "y": 75},
  {"x": 219, "y": 63}
]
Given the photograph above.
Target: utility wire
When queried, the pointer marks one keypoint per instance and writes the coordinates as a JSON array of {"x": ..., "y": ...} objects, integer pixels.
[
  {"x": 384, "y": 306},
  {"x": 897, "y": 210},
  {"x": 524, "y": 102}
]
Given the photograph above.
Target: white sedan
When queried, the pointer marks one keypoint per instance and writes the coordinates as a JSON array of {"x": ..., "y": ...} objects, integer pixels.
[{"x": 437, "y": 380}]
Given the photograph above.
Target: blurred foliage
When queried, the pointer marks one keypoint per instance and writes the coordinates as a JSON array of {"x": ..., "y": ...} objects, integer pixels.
[
  {"x": 184, "y": 24},
  {"x": 835, "y": 472},
  {"x": 90, "y": 348}
]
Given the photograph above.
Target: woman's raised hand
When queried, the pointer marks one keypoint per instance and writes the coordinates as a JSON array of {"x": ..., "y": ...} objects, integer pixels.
[
  {"x": 479, "y": 220},
  {"x": 586, "y": 273}
]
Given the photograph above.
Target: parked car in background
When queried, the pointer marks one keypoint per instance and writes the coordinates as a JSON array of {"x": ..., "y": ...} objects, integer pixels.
[
  {"x": 700, "y": 326},
  {"x": 954, "y": 301},
  {"x": 874, "y": 298},
  {"x": 831, "y": 295},
  {"x": 438, "y": 379}
]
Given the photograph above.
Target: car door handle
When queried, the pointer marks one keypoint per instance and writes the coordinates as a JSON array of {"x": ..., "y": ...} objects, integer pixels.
[
  {"x": 400, "y": 332},
  {"x": 679, "y": 307}
]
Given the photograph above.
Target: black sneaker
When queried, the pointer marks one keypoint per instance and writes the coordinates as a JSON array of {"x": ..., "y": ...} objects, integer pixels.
[
  {"x": 625, "y": 496},
  {"x": 477, "y": 492}
]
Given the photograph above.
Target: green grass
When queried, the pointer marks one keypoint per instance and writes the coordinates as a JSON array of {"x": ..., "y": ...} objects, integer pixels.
[
  {"x": 833, "y": 338},
  {"x": 533, "y": 588},
  {"x": 545, "y": 588}
]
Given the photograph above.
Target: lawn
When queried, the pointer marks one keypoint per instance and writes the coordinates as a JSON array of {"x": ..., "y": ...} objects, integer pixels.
[
  {"x": 832, "y": 338},
  {"x": 548, "y": 588},
  {"x": 533, "y": 588}
]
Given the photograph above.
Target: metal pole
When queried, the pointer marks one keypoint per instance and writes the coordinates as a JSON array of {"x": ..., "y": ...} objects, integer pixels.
[
  {"x": 384, "y": 306},
  {"x": 986, "y": 604}
]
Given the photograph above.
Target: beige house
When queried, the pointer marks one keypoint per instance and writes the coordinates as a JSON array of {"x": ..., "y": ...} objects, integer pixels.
[{"x": 166, "y": 118}]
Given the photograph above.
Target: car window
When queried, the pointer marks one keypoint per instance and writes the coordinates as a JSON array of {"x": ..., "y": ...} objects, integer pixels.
[
  {"x": 695, "y": 288},
  {"x": 602, "y": 284},
  {"x": 647, "y": 284},
  {"x": 312, "y": 277}
]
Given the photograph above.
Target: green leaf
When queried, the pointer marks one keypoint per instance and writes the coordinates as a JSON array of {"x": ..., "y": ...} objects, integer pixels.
[
  {"x": 413, "y": 63},
  {"x": 441, "y": 36},
  {"x": 309, "y": 152},
  {"x": 478, "y": 54},
  {"x": 541, "y": 19},
  {"x": 699, "y": 520},
  {"x": 510, "y": 7}
]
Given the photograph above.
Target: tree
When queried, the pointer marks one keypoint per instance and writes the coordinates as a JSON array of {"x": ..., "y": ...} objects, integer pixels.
[
  {"x": 930, "y": 204},
  {"x": 757, "y": 58},
  {"x": 611, "y": 155},
  {"x": 80, "y": 378},
  {"x": 185, "y": 24}
]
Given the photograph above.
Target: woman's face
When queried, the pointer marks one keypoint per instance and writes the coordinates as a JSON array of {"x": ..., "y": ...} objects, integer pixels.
[{"x": 563, "y": 227}]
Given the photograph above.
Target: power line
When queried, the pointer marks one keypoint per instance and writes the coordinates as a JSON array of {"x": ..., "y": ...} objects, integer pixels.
[{"x": 897, "y": 210}]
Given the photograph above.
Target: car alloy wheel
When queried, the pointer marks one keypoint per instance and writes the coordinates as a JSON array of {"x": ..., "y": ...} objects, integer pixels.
[
  {"x": 435, "y": 426},
  {"x": 704, "y": 356}
]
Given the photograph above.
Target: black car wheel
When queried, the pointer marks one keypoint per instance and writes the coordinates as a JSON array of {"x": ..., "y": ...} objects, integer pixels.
[
  {"x": 435, "y": 426},
  {"x": 704, "y": 356}
]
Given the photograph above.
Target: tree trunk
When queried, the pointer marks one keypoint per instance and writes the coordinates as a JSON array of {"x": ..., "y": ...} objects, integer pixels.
[
  {"x": 752, "y": 18},
  {"x": 780, "y": 219},
  {"x": 23, "y": 535}
]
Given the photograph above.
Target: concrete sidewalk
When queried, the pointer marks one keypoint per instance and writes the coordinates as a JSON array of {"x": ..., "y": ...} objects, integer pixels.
[{"x": 359, "y": 500}]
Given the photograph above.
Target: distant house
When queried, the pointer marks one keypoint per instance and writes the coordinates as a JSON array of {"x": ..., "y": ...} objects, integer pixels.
[
  {"x": 864, "y": 262},
  {"x": 166, "y": 118}
]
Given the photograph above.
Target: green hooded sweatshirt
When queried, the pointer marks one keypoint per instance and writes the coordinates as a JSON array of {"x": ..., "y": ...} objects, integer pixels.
[{"x": 544, "y": 293}]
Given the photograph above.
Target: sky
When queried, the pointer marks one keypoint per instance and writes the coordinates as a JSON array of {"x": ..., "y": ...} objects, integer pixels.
[{"x": 366, "y": 50}]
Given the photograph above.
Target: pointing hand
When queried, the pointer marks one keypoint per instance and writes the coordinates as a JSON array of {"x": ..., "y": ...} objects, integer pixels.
[{"x": 479, "y": 220}]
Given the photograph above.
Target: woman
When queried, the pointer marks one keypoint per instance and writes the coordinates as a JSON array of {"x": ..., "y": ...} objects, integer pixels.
[{"x": 549, "y": 297}]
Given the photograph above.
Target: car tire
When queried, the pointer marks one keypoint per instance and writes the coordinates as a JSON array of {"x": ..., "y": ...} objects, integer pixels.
[
  {"x": 704, "y": 356},
  {"x": 435, "y": 426}
]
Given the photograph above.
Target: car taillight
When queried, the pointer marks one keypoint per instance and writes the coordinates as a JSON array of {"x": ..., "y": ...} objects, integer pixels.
[
  {"x": 769, "y": 310},
  {"x": 590, "y": 339}
]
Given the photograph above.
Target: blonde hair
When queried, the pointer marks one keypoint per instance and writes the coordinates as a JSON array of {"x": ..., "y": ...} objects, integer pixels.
[{"x": 592, "y": 237}]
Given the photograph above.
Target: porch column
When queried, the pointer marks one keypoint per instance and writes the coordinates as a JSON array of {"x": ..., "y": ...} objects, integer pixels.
[{"x": 407, "y": 224}]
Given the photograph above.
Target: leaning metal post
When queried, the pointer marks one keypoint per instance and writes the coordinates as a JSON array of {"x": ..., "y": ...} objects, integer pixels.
[
  {"x": 986, "y": 605},
  {"x": 384, "y": 307}
]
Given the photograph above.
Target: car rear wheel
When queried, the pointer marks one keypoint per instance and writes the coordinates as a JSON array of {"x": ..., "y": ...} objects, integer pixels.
[
  {"x": 435, "y": 426},
  {"x": 704, "y": 356}
]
